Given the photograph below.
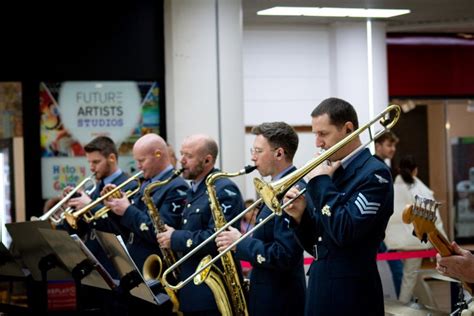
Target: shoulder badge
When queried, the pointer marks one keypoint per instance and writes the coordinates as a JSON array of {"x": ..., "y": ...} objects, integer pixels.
[
  {"x": 230, "y": 193},
  {"x": 225, "y": 207},
  {"x": 381, "y": 179}
]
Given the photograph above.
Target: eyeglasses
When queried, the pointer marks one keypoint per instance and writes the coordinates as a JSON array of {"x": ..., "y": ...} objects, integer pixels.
[{"x": 258, "y": 151}]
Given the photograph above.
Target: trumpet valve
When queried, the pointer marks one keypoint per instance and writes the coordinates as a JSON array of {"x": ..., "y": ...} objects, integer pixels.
[{"x": 71, "y": 220}]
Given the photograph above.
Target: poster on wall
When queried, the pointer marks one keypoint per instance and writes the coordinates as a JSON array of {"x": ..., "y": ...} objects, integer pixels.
[
  {"x": 463, "y": 184},
  {"x": 75, "y": 112}
]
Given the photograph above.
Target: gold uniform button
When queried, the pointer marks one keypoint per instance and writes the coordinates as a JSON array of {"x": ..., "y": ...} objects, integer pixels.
[
  {"x": 185, "y": 221},
  {"x": 189, "y": 243},
  {"x": 189, "y": 205},
  {"x": 197, "y": 210}
]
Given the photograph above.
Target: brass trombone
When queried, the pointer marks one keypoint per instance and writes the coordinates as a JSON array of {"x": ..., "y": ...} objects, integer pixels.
[
  {"x": 86, "y": 213},
  {"x": 57, "y": 213},
  {"x": 271, "y": 193}
]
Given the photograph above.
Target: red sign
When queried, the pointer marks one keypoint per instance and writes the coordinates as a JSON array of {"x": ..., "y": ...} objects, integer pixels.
[{"x": 61, "y": 296}]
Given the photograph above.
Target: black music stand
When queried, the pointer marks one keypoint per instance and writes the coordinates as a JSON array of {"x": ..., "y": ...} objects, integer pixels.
[
  {"x": 9, "y": 268},
  {"x": 11, "y": 271},
  {"x": 36, "y": 255},
  {"x": 83, "y": 265},
  {"x": 131, "y": 280}
]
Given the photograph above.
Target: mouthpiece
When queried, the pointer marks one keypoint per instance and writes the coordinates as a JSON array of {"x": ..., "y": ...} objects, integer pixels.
[{"x": 248, "y": 169}]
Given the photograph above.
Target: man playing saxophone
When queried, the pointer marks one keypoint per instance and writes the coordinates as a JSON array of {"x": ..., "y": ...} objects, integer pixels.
[
  {"x": 151, "y": 154},
  {"x": 277, "y": 283},
  {"x": 198, "y": 157}
]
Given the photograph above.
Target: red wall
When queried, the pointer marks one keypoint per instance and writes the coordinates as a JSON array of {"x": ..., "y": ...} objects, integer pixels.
[{"x": 430, "y": 70}]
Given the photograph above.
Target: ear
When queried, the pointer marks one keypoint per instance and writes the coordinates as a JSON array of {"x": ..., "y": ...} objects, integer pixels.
[
  {"x": 278, "y": 152},
  {"x": 157, "y": 153},
  {"x": 349, "y": 127},
  {"x": 112, "y": 158}
]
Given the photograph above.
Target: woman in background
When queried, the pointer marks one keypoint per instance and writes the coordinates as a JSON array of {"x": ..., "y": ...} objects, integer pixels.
[{"x": 398, "y": 234}]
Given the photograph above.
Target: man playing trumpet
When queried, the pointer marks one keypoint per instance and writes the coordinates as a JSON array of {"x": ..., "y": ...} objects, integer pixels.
[{"x": 151, "y": 154}]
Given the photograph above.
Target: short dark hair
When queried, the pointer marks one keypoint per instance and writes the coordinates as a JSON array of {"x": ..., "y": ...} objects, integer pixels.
[
  {"x": 103, "y": 144},
  {"x": 407, "y": 165},
  {"x": 279, "y": 134},
  {"x": 338, "y": 110},
  {"x": 387, "y": 136}
]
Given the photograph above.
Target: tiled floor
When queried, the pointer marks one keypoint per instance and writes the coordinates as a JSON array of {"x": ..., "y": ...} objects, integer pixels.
[{"x": 433, "y": 293}]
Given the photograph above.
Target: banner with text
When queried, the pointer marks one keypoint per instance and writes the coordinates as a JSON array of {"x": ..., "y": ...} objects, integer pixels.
[{"x": 75, "y": 112}]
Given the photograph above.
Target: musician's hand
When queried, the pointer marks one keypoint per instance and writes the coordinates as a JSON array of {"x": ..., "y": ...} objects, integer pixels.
[
  {"x": 326, "y": 167},
  {"x": 459, "y": 266},
  {"x": 79, "y": 202},
  {"x": 164, "y": 239},
  {"x": 296, "y": 208},
  {"x": 226, "y": 238},
  {"x": 66, "y": 190},
  {"x": 118, "y": 205},
  {"x": 109, "y": 187}
]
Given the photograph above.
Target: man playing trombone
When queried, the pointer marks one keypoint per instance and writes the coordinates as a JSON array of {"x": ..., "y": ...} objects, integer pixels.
[
  {"x": 351, "y": 201},
  {"x": 151, "y": 154},
  {"x": 198, "y": 157},
  {"x": 277, "y": 283}
]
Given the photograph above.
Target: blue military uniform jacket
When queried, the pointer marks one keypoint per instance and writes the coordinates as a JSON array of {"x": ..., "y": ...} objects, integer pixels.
[
  {"x": 196, "y": 226},
  {"x": 140, "y": 236},
  {"x": 277, "y": 282},
  {"x": 342, "y": 226}
]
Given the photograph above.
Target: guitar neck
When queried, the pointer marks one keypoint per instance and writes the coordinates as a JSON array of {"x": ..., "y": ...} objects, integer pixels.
[{"x": 442, "y": 245}]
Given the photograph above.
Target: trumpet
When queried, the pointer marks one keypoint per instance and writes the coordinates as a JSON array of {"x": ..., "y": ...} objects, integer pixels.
[
  {"x": 271, "y": 193},
  {"x": 86, "y": 211},
  {"x": 57, "y": 213}
]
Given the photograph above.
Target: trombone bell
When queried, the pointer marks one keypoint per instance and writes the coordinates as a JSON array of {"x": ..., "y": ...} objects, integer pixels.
[{"x": 268, "y": 195}]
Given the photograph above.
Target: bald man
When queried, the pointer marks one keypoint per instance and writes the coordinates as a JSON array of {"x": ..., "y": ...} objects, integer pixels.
[
  {"x": 152, "y": 157},
  {"x": 198, "y": 157}
]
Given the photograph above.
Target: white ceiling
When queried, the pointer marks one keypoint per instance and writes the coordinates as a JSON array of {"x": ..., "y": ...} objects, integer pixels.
[{"x": 438, "y": 16}]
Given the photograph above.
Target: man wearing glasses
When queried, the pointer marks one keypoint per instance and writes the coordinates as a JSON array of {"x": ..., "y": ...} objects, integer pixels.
[{"x": 277, "y": 283}]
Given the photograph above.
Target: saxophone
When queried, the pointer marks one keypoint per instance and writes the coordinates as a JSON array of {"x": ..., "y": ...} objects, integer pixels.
[
  {"x": 223, "y": 284},
  {"x": 153, "y": 265}
]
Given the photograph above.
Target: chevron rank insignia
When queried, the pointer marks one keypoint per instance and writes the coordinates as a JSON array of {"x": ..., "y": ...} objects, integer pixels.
[
  {"x": 143, "y": 227},
  {"x": 229, "y": 192},
  {"x": 189, "y": 243},
  {"x": 326, "y": 210},
  {"x": 260, "y": 259},
  {"x": 181, "y": 192},
  {"x": 366, "y": 207},
  {"x": 380, "y": 178}
]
